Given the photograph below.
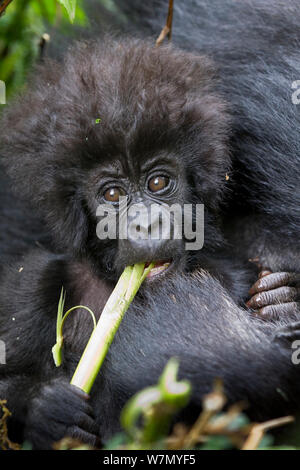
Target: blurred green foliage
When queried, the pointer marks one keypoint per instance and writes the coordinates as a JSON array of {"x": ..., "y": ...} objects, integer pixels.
[{"x": 21, "y": 30}]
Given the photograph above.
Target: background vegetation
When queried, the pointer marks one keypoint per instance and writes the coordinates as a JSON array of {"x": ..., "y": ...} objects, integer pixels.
[{"x": 29, "y": 27}]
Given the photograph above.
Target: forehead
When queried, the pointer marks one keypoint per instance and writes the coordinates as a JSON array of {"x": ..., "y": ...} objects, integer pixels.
[
  {"x": 133, "y": 145},
  {"x": 130, "y": 166}
]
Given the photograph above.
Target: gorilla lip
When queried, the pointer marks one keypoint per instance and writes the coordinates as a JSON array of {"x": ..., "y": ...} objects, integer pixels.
[{"x": 159, "y": 267}]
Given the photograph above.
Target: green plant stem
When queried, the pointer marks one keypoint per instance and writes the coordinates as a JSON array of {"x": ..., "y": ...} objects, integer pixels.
[{"x": 107, "y": 326}]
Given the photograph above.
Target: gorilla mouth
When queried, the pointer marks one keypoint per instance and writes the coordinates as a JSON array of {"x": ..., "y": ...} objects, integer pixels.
[{"x": 159, "y": 268}]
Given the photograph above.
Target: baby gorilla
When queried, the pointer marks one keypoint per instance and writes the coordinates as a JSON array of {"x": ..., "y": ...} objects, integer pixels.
[{"x": 129, "y": 119}]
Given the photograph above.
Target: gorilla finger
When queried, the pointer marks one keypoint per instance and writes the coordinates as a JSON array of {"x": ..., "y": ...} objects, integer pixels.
[
  {"x": 83, "y": 436},
  {"x": 88, "y": 410},
  {"x": 271, "y": 281},
  {"x": 264, "y": 272},
  {"x": 275, "y": 312},
  {"x": 86, "y": 423},
  {"x": 273, "y": 297},
  {"x": 79, "y": 392}
]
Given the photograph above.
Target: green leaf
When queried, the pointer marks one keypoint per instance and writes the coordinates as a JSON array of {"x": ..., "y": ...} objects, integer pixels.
[
  {"x": 61, "y": 318},
  {"x": 155, "y": 407},
  {"x": 70, "y": 6}
]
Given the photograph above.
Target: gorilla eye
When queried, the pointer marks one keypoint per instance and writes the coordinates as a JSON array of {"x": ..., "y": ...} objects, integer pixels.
[
  {"x": 113, "y": 194},
  {"x": 157, "y": 183}
]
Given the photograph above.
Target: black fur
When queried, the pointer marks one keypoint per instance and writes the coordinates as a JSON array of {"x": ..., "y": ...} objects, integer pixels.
[
  {"x": 20, "y": 229},
  {"x": 234, "y": 118}
]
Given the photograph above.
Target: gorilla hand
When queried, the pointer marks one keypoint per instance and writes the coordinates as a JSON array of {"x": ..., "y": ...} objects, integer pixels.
[{"x": 60, "y": 410}]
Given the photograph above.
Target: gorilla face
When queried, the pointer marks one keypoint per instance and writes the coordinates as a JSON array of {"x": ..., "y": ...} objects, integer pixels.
[
  {"x": 120, "y": 121},
  {"x": 131, "y": 195}
]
